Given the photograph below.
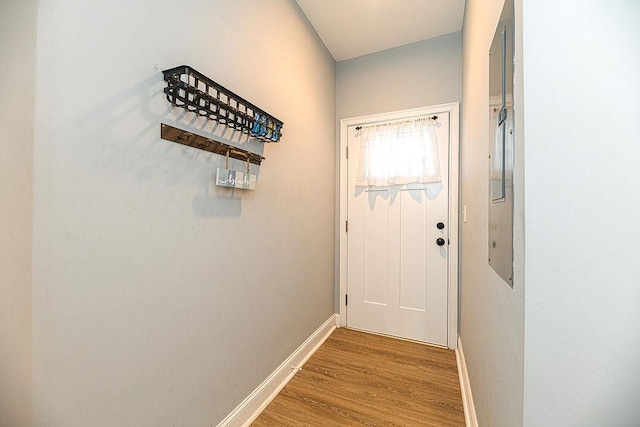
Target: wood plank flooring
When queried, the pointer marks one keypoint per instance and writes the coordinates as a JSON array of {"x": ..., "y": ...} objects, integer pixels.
[{"x": 360, "y": 379}]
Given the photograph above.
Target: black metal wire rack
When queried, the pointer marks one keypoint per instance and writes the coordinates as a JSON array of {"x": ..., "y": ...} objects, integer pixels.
[{"x": 195, "y": 92}]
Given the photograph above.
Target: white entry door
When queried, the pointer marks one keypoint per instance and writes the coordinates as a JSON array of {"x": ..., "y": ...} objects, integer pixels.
[{"x": 397, "y": 248}]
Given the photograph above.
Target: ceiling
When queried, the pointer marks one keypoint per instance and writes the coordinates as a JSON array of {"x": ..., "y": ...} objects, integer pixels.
[{"x": 352, "y": 28}]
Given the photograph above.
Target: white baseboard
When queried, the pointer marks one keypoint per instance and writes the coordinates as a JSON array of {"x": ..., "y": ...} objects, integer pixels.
[
  {"x": 470, "y": 417},
  {"x": 247, "y": 411}
]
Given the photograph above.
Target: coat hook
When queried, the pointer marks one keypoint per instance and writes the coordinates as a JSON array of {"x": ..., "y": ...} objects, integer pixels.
[{"x": 207, "y": 144}]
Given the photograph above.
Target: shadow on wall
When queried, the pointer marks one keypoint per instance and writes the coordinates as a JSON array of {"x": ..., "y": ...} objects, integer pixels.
[{"x": 124, "y": 131}]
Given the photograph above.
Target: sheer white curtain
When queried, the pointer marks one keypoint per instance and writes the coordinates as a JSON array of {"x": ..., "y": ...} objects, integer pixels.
[{"x": 398, "y": 153}]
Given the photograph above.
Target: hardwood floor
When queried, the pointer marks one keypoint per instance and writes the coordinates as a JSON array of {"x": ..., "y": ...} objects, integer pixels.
[{"x": 357, "y": 378}]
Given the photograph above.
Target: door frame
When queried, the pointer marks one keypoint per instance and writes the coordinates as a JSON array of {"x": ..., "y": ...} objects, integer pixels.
[{"x": 453, "y": 109}]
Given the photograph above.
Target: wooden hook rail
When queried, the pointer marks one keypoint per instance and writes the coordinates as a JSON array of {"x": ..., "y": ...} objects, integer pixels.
[{"x": 190, "y": 139}]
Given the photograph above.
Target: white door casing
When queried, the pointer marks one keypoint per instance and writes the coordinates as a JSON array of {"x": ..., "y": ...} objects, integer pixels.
[{"x": 402, "y": 225}]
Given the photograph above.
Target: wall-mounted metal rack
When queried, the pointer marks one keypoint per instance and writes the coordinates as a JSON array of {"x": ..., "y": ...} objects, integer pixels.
[
  {"x": 207, "y": 144},
  {"x": 195, "y": 92}
]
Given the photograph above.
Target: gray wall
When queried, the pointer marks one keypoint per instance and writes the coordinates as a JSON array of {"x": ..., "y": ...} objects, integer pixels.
[
  {"x": 492, "y": 314},
  {"x": 569, "y": 355},
  {"x": 160, "y": 299},
  {"x": 17, "y": 85},
  {"x": 416, "y": 75},
  {"x": 582, "y": 61}
]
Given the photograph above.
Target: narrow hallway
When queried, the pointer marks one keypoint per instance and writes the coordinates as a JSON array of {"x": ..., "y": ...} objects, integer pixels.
[{"x": 356, "y": 378}]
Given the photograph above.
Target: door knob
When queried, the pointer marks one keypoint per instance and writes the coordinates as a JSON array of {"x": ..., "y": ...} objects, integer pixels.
[
  {"x": 440, "y": 241},
  {"x": 440, "y": 225}
]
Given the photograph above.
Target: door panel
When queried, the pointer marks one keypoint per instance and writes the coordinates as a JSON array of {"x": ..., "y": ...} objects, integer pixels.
[
  {"x": 376, "y": 265},
  {"x": 412, "y": 250},
  {"x": 397, "y": 279}
]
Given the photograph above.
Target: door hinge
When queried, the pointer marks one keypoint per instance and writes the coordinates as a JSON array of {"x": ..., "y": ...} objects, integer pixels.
[
  {"x": 346, "y": 226},
  {"x": 347, "y": 152},
  {"x": 346, "y": 300}
]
